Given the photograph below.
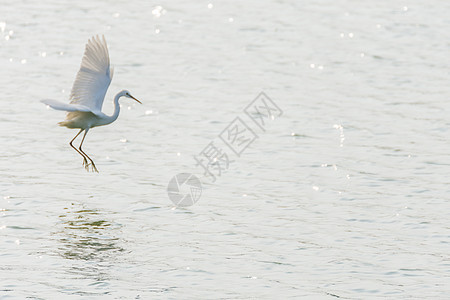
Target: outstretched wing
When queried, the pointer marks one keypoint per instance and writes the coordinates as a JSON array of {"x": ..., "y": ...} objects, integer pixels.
[
  {"x": 94, "y": 76},
  {"x": 58, "y": 105}
]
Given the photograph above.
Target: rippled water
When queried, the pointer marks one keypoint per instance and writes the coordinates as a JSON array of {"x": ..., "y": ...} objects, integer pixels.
[{"x": 345, "y": 195}]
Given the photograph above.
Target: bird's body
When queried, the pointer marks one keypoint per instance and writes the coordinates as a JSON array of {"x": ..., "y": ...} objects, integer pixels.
[
  {"x": 88, "y": 119},
  {"x": 83, "y": 120},
  {"x": 87, "y": 95}
]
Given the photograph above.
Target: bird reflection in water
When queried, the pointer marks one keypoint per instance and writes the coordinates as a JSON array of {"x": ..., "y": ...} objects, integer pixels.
[{"x": 88, "y": 236}]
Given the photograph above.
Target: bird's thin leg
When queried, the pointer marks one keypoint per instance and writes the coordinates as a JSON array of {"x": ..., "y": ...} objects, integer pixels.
[
  {"x": 94, "y": 168},
  {"x": 85, "y": 162}
]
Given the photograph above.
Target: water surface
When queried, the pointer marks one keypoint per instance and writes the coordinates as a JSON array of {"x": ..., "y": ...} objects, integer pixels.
[{"x": 344, "y": 196}]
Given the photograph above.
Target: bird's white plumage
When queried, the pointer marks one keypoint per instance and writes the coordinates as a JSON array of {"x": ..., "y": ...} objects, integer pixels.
[
  {"x": 88, "y": 93},
  {"x": 58, "y": 105},
  {"x": 94, "y": 76}
]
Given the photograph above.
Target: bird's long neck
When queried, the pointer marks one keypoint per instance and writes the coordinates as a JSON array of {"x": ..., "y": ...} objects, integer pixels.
[{"x": 114, "y": 116}]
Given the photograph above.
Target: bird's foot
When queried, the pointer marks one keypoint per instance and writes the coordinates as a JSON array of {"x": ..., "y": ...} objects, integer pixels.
[
  {"x": 93, "y": 167},
  {"x": 86, "y": 164},
  {"x": 91, "y": 164}
]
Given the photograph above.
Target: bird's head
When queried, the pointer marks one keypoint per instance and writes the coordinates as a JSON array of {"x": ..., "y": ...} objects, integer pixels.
[{"x": 127, "y": 94}]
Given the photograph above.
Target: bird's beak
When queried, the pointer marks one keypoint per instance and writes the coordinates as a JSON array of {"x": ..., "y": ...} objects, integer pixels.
[{"x": 136, "y": 99}]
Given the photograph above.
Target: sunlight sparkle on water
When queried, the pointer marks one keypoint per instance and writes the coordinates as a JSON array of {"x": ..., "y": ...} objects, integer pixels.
[
  {"x": 158, "y": 11},
  {"x": 341, "y": 134}
]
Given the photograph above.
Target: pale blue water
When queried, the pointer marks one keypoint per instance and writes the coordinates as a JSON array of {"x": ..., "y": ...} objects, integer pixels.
[{"x": 345, "y": 195}]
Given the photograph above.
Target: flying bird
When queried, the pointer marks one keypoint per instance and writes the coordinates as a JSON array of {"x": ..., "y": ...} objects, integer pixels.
[{"x": 88, "y": 92}]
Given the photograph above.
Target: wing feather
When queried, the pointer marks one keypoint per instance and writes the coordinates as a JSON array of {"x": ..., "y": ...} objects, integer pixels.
[
  {"x": 94, "y": 76},
  {"x": 58, "y": 105}
]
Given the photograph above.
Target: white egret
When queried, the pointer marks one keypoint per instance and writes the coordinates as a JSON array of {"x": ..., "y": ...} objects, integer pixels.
[{"x": 88, "y": 93}]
